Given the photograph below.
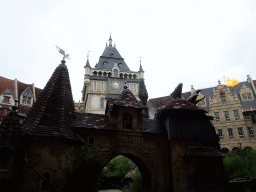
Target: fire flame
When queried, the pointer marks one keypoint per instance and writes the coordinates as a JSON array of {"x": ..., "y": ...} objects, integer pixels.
[{"x": 230, "y": 82}]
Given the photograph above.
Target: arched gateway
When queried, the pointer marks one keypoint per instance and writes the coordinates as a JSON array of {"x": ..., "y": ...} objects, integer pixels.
[{"x": 176, "y": 151}]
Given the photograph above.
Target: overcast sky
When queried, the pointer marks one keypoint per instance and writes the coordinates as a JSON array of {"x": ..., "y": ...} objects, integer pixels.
[{"x": 190, "y": 42}]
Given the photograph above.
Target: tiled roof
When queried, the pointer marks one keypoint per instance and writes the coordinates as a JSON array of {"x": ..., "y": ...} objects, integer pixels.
[
  {"x": 208, "y": 92},
  {"x": 202, "y": 151},
  {"x": 24, "y": 109},
  {"x": 111, "y": 60},
  {"x": 9, "y": 132},
  {"x": 4, "y": 83},
  {"x": 4, "y": 111},
  {"x": 151, "y": 126},
  {"x": 53, "y": 112},
  {"x": 179, "y": 104},
  {"x": 126, "y": 99},
  {"x": 89, "y": 120},
  {"x": 155, "y": 103}
]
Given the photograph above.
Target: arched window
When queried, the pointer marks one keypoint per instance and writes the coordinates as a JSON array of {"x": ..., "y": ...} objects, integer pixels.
[
  {"x": 115, "y": 72},
  {"x": 46, "y": 184},
  {"x": 102, "y": 103},
  {"x": 127, "y": 121}
]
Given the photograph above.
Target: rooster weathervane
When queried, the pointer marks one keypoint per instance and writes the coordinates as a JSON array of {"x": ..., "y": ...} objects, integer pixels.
[{"x": 61, "y": 51}]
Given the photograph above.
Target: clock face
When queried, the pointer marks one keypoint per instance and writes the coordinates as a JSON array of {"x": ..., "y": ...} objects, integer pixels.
[{"x": 115, "y": 85}]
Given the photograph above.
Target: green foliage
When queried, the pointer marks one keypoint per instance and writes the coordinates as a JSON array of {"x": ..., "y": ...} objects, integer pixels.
[
  {"x": 118, "y": 167},
  {"x": 85, "y": 163},
  {"x": 240, "y": 163},
  {"x": 137, "y": 182}
]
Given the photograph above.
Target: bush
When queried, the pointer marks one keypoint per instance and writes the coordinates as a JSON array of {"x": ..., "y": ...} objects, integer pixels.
[
  {"x": 118, "y": 167},
  {"x": 85, "y": 165},
  {"x": 240, "y": 163}
]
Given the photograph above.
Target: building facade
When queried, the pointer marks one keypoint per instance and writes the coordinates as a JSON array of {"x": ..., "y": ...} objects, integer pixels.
[
  {"x": 106, "y": 80},
  {"x": 11, "y": 90},
  {"x": 233, "y": 109}
]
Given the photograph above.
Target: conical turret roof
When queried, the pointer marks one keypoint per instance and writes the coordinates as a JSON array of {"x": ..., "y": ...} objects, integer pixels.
[{"x": 53, "y": 112}]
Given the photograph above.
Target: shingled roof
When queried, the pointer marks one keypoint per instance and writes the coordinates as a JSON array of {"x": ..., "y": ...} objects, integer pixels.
[
  {"x": 53, "y": 112},
  {"x": 126, "y": 99},
  {"x": 6, "y": 83},
  {"x": 179, "y": 104},
  {"x": 108, "y": 59},
  {"x": 89, "y": 120},
  {"x": 10, "y": 131}
]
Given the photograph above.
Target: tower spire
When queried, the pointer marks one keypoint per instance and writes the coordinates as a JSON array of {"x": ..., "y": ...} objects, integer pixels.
[
  {"x": 140, "y": 66},
  {"x": 110, "y": 40},
  {"x": 87, "y": 62}
]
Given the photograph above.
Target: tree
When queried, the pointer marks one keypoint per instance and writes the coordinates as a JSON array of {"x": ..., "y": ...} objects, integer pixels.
[
  {"x": 85, "y": 164},
  {"x": 240, "y": 163}
]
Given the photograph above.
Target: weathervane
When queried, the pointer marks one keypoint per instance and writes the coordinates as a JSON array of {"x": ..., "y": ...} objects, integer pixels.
[{"x": 61, "y": 51}]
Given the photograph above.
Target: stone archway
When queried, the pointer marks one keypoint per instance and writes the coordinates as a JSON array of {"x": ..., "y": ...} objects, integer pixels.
[{"x": 145, "y": 167}]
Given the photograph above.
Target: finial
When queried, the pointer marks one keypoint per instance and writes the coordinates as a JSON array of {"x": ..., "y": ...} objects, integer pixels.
[
  {"x": 106, "y": 44},
  {"x": 110, "y": 40},
  {"x": 219, "y": 82},
  {"x": 115, "y": 45}
]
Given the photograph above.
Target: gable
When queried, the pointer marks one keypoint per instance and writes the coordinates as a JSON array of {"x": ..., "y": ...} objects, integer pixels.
[
  {"x": 27, "y": 92},
  {"x": 7, "y": 91}
]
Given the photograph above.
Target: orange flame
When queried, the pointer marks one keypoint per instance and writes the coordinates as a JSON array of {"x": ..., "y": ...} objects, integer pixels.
[{"x": 230, "y": 82}]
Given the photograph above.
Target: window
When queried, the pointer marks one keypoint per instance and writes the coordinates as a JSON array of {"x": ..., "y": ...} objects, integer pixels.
[
  {"x": 102, "y": 85},
  {"x": 105, "y": 63},
  {"x": 247, "y": 96},
  {"x": 6, "y": 99},
  {"x": 111, "y": 55},
  {"x": 127, "y": 121},
  {"x": 120, "y": 64},
  {"x": 115, "y": 72},
  {"x": 217, "y": 116},
  {"x": 24, "y": 99},
  {"x": 134, "y": 87},
  {"x": 220, "y": 133},
  {"x": 201, "y": 103},
  {"x": 94, "y": 85},
  {"x": 230, "y": 133},
  {"x": 236, "y": 114},
  {"x": 128, "y": 85},
  {"x": 226, "y": 114},
  {"x": 247, "y": 116},
  {"x": 250, "y": 131},
  {"x": 102, "y": 103},
  {"x": 223, "y": 100},
  {"x": 29, "y": 100},
  {"x": 240, "y": 132}
]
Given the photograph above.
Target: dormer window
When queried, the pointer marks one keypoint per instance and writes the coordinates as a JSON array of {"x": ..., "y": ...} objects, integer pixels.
[
  {"x": 105, "y": 63},
  {"x": 201, "y": 103},
  {"x": 6, "y": 99},
  {"x": 111, "y": 55},
  {"x": 26, "y": 100},
  {"x": 127, "y": 121},
  {"x": 247, "y": 96},
  {"x": 120, "y": 64},
  {"x": 115, "y": 73}
]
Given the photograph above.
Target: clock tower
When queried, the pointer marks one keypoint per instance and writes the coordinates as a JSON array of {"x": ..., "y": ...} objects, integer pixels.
[{"x": 107, "y": 79}]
